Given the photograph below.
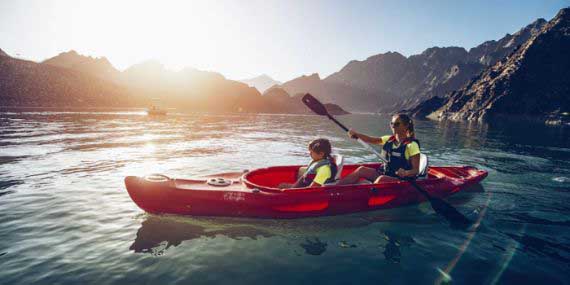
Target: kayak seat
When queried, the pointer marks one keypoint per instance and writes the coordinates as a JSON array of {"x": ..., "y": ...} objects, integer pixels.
[
  {"x": 424, "y": 167},
  {"x": 339, "y": 161}
]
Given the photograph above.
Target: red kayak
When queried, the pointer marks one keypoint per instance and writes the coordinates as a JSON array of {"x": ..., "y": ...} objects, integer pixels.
[{"x": 255, "y": 193}]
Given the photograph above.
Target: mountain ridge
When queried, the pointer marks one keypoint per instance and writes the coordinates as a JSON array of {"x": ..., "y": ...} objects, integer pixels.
[
  {"x": 531, "y": 82},
  {"x": 262, "y": 82}
]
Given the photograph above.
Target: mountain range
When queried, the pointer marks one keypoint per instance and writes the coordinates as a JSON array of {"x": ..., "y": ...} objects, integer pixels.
[
  {"x": 261, "y": 83},
  {"x": 389, "y": 82},
  {"x": 523, "y": 74},
  {"x": 73, "y": 80}
]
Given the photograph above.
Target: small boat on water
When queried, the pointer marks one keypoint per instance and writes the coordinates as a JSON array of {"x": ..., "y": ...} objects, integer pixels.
[
  {"x": 255, "y": 193},
  {"x": 155, "y": 111}
]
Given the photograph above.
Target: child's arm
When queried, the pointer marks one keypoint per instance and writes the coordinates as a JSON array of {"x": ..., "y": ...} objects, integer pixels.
[
  {"x": 323, "y": 174},
  {"x": 298, "y": 183},
  {"x": 315, "y": 184}
]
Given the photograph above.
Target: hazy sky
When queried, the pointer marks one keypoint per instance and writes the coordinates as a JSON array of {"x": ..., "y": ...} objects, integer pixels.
[{"x": 246, "y": 38}]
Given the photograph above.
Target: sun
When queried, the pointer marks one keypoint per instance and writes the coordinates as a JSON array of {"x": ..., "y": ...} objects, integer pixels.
[{"x": 201, "y": 34}]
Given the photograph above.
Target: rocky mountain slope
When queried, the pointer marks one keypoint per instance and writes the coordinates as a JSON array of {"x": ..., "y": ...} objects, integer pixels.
[
  {"x": 390, "y": 81},
  {"x": 532, "y": 82}
]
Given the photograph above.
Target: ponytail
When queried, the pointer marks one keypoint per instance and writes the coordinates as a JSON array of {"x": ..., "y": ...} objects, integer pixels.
[{"x": 324, "y": 146}]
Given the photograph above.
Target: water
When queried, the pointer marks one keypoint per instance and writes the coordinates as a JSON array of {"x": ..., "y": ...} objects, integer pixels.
[{"x": 66, "y": 218}]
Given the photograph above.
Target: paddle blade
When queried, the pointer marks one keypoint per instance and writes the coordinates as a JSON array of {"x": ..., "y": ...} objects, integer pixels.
[
  {"x": 454, "y": 217},
  {"x": 442, "y": 208},
  {"x": 314, "y": 105}
]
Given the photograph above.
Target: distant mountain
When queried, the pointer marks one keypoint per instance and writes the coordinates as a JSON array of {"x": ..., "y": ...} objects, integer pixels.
[
  {"x": 276, "y": 98},
  {"x": 30, "y": 84},
  {"x": 262, "y": 82},
  {"x": 73, "y": 80},
  {"x": 100, "y": 67},
  {"x": 390, "y": 81},
  {"x": 531, "y": 82},
  {"x": 191, "y": 89},
  {"x": 2, "y": 53},
  {"x": 348, "y": 97},
  {"x": 306, "y": 84}
]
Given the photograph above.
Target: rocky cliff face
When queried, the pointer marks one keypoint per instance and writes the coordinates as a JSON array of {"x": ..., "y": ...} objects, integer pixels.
[
  {"x": 2, "y": 53},
  {"x": 488, "y": 53},
  {"x": 532, "y": 82},
  {"x": 390, "y": 81}
]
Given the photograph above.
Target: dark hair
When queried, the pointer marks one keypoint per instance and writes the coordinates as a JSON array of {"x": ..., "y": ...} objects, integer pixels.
[
  {"x": 407, "y": 120},
  {"x": 321, "y": 145}
]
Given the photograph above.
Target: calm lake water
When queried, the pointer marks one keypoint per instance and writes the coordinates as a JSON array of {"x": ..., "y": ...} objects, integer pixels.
[{"x": 66, "y": 218}]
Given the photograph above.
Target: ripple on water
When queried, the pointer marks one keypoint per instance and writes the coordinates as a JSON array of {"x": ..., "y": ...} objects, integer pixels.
[{"x": 561, "y": 179}]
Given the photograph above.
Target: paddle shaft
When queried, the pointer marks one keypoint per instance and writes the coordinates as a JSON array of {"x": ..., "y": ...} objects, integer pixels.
[{"x": 364, "y": 144}]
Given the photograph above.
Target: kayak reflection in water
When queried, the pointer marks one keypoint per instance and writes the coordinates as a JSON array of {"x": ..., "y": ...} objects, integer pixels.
[
  {"x": 322, "y": 168},
  {"x": 401, "y": 150}
]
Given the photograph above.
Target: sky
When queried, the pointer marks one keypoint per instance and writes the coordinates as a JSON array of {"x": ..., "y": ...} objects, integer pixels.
[{"x": 246, "y": 38}]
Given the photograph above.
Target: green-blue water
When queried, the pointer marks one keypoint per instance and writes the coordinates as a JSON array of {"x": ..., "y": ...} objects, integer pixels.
[{"x": 66, "y": 218}]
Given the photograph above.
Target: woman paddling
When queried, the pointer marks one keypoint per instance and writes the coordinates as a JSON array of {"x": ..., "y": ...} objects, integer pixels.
[{"x": 401, "y": 150}]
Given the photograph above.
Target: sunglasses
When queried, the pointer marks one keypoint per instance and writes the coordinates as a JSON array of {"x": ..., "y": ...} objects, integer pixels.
[{"x": 394, "y": 124}]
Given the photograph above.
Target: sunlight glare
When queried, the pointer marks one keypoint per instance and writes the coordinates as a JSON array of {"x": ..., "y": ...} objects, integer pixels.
[{"x": 176, "y": 33}]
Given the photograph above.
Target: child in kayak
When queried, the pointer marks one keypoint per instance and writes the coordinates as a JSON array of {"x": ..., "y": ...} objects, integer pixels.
[
  {"x": 322, "y": 168},
  {"x": 401, "y": 150}
]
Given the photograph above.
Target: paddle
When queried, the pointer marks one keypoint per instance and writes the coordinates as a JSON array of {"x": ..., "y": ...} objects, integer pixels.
[{"x": 441, "y": 207}]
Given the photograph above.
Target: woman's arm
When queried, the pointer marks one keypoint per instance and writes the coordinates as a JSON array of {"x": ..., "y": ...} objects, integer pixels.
[
  {"x": 415, "y": 161},
  {"x": 365, "y": 138}
]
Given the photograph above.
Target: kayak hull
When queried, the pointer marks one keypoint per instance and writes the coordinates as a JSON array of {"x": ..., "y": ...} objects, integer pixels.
[{"x": 254, "y": 194}]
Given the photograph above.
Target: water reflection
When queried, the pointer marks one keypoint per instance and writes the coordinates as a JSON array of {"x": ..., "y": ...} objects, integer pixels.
[
  {"x": 157, "y": 234},
  {"x": 542, "y": 247},
  {"x": 392, "y": 250},
  {"x": 314, "y": 246}
]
